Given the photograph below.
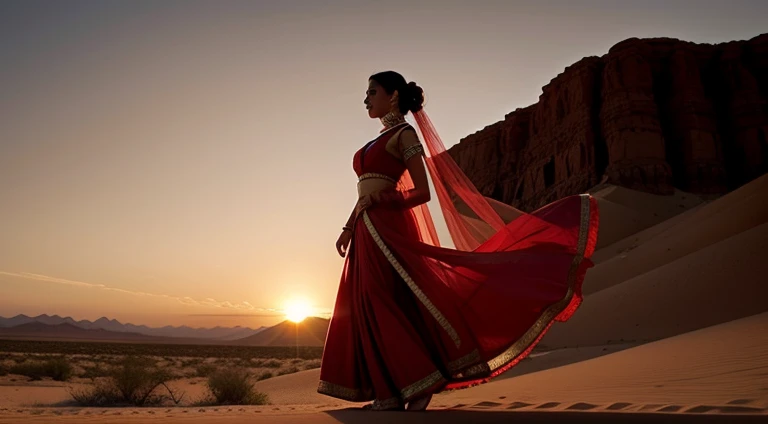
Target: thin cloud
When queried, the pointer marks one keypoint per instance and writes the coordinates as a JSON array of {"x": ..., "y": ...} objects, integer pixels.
[{"x": 186, "y": 300}]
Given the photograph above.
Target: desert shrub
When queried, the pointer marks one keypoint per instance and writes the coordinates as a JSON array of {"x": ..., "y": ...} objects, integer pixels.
[
  {"x": 136, "y": 380},
  {"x": 21, "y": 359},
  {"x": 3, "y": 370},
  {"x": 272, "y": 363},
  {"x": 58, "y": 369},
  {"x": 95, "y": 371},
  {"x": 233, "y": 387},
  {"x": 185, "y": 363},
  {"x": 102, "y": 393},
  {"x": 265, "y": 375},
  {"x": 205, "y": 370},
  {"x": 312, "y": 364},
  {"x": 289, "y": 370}
]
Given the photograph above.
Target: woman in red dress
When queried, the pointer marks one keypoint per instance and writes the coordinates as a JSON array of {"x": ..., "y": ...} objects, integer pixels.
[{"x": 413, "y": 318}]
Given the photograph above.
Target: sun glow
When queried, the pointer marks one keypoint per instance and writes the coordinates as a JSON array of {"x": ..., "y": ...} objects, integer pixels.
[{"x": 297, "y": 309}]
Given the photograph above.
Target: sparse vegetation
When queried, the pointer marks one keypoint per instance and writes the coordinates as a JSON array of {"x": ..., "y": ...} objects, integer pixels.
[
  {"x": 134, "y": 382},
  {"x": 57, "y": 368},
  {"x": 158, "y": 350},
  {"x": 289, "y": 370},
  {"x": 205, "y": 370},
  {"x": 143, "y": 375},
  {"x": 233, "y": 387}
]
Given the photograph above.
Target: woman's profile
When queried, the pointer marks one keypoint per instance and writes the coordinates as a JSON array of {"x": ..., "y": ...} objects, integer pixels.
[{"x": 413, "y": 318}]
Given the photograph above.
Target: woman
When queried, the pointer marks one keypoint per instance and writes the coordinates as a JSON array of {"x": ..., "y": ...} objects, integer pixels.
[{"x": 413, "y": 318}]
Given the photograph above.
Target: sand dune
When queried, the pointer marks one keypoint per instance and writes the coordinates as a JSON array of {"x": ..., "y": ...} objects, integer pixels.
[
  {"x": 721, "y": 365},
  {"x": 722, "y": 282},
  {"x": 729, "y": 215},
  {"x": 624, "y": 211}
]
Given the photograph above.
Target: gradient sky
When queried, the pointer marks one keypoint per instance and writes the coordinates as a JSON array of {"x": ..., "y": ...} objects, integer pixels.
[{"x": 189, "y": 162}]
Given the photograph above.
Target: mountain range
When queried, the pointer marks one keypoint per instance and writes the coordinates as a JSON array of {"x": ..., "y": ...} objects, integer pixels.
[
  {"x": 310, "y": 332},
  {"x": 113, "y": 325}
]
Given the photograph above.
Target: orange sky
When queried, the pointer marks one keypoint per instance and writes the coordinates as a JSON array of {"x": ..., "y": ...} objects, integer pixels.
[{"x": 190, "y": 162}]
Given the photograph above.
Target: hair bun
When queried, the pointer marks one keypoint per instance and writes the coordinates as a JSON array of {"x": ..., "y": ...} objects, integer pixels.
[{"x": 413, "y": 97}]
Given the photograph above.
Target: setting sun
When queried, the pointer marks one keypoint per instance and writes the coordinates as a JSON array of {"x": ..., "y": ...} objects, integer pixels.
[{"x": 296, "y": 310}]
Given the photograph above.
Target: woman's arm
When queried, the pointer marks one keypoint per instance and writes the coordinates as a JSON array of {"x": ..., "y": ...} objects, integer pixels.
[{"x": 411, "y": 152}]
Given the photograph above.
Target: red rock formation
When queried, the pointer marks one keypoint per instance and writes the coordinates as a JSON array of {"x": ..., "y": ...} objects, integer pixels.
[{"x": 651, "y": 115}]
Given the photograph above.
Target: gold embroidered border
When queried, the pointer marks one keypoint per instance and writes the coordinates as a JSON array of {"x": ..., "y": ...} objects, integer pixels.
[
  {"x": 422, "y": 385},
  {"x": 411, "y": 284},
  {"x": 464, "y": 361},
  {"x": 337, "y": 391},
  {"x": 376, "y": 175},
  {"x": 550, "y": 313}
]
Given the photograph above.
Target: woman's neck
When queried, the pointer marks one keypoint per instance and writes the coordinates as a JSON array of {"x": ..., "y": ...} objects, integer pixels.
[{"x": 392, "y": 119}]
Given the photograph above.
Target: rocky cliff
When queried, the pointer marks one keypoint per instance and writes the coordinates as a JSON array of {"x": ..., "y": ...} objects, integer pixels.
[{"x": 651, "y": 115}]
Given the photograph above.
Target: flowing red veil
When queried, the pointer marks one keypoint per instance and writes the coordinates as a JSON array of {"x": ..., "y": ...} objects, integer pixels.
[{"x": 471, "y": 218}]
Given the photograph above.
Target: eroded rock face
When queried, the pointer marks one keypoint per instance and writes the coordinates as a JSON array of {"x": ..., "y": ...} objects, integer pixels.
[{"x": 651, "y": 115}]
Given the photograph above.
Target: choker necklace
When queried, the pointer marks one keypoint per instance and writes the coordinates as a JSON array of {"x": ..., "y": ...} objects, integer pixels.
[{"x": 391, "y": 119}]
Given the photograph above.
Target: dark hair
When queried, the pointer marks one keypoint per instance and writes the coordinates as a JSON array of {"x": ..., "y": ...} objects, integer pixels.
[{"x": 410, "y": 95}]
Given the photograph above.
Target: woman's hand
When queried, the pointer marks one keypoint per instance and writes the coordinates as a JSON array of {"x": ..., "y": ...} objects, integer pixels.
[
  {"x": 342, "y": 244},
  {"x": 364, "y": 203}
]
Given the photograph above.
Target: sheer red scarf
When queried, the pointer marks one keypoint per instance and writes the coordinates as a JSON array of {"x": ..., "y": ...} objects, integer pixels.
[{"x": 471, "y": 218}]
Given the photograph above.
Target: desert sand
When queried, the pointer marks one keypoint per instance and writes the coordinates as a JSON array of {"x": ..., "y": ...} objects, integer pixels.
[{"x": 673, "y": 329}]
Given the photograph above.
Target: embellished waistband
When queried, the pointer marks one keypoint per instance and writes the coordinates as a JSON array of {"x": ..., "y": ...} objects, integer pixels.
[{"x": 376, "y": 175}]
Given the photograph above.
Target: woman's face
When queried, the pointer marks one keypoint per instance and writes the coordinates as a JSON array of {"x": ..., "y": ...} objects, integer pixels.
[{"x": 377, "y": 101}]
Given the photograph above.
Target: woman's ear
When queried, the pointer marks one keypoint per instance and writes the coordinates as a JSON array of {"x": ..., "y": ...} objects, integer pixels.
[{"x": 394, "y": 102}]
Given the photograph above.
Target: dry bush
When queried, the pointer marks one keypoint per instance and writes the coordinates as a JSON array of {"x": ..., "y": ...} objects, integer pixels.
[
  {"x": 312, "y": 364},
  {"x": 265, "y": 375},
  {"x": 289, "y": 370},
  {"x": 233, "y": 387},
  {"x": 205, "y": 370},
  {"x": 95, "y": 371},
  {"x": 57, "y": 368},
  {"x": 135, "y": 381},
  {"x": 3, "y": 370}
]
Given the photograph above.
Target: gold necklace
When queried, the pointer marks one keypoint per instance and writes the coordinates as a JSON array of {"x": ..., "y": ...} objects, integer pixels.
[{"x": 391, "y": 119}]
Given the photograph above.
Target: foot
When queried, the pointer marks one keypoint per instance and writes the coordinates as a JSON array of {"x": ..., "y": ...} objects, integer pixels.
[
  {"x": 420, "y": 403},
  {"x": 377, "y": 405}
]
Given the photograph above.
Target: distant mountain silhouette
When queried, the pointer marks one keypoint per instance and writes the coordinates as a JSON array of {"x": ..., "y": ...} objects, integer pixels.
[
  {"x": 66, "y": 331},
  {"x": 310, "y": 332},
  {"x": 104, "y": 323}
]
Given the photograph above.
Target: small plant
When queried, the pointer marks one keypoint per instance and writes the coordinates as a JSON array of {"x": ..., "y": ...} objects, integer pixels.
[
  {"x": 100, "y": 394},
  {"x": 233, "y": 387},
  {"x": 3, "y": 370},
  {"x": 272, "y": 363},
  {"x": 58, "y": 369},
  {"x": 289, "y": 370},
  {"x": 136, "y": 380},
  {"x": 94, "y": 372},
  {"x": 265, "y": 375},
  {"x": 312, "y": 364},
  {"x": 205, "y": 370}
]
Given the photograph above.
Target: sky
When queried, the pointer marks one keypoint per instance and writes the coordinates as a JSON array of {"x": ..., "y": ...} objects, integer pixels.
[{"x": 189, "y": 162}]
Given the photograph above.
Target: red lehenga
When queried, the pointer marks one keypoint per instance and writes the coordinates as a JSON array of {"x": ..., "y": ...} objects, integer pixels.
[{"x": 413, "y": 318}]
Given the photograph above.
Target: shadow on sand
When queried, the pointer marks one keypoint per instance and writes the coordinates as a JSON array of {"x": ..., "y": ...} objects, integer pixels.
[{"x": 447, "y": 416}]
